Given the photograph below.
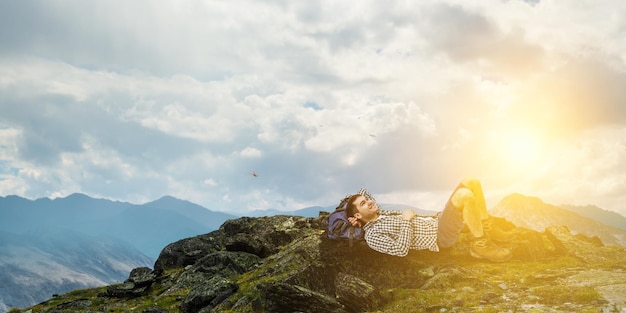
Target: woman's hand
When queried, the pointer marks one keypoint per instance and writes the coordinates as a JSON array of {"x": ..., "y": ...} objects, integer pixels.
[
  {"x": 354, "y": 221},
  {"x": 408, "y": 215}
]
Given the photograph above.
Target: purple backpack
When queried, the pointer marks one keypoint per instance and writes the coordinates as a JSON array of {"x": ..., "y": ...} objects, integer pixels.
[
  {"x": 340, "y": 228},
  {"x": 338, "y": 225}
]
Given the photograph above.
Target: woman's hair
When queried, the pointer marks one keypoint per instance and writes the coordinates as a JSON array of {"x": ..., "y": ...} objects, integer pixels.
[{"x": 349, "y": 204}]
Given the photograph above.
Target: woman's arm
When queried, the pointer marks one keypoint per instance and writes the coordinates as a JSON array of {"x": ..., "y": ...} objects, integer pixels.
[{"x": 392, "y": 236}]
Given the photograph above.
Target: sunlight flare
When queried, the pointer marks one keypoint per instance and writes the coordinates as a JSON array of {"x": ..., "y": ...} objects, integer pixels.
[{"x": 522, "y": 147}]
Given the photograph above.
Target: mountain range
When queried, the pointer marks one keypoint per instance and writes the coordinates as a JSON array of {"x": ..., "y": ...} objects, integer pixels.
[
  {"x": 51, "y": 246},
  {"x": 148, "y": 227},
  {"x": 50, "y": 261},
  {"x": 598, "y": 214},
  {"x": 533, "y": 213}
]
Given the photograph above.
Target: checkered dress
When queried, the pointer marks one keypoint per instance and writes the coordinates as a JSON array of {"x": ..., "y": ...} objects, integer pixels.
[{"x": 390, "y": 234}]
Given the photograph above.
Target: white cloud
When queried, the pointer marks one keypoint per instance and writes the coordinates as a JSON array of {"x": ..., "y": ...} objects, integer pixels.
[
  {"x": 250, "y": 152},
  {"x": 210, "y": 182},
  {"x": 134, "y": 100}
]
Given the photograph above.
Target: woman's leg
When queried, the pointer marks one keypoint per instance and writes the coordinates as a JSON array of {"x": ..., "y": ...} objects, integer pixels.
[
  {"x": 476, "y": 188},
  {"x": 462, "y": 209},
  {"x": 470, "y": 200}
]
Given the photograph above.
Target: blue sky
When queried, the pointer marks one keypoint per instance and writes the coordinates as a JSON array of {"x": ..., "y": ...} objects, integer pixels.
[{"x": 133, "y": 100}]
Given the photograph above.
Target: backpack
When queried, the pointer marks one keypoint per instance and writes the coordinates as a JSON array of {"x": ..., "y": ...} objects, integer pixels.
[{"x": 339, "y": 228}]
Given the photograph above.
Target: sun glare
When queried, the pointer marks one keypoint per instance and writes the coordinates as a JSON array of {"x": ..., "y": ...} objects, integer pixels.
[{"x": 521, "y": 147}]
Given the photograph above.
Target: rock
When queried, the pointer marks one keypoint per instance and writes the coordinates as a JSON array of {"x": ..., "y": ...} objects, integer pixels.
[
  {"x": 444, "y": 278},
  {"x": 260, "y": 236},
  {"x": 187, "y": 251},
  {"x": 355, "y": 294},
  {"x": 587, "y": 248},
  {"x": 489, "y": 297},
  {"x": 458, "y": 302},
  {"x": 427, "y": 272},
  {"x": 138, "y": 282},
  {"x": 208, "y": 295},
  {"x": 125, "y": 290},
  {"x": 79, "y": 305},
  {"x": 141, "y": 276},
  {"x": 222, "y": 264},
  {"x": 226, "y": 263},
  {"x": 281, "y": 297}
]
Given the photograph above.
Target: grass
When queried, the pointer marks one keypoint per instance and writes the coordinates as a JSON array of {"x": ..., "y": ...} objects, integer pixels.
[
  {"x": 558, "y": 294},
  {"x": 155, "y": 298},
  {"x": 489, "y": 287}
]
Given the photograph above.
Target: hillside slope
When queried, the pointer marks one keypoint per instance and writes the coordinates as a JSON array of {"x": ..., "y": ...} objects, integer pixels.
[
  {"x": 532, "y": 213},
  {"x": 35, "y": 266},
  {"x": 148, "y": 226},
  {"x": 603, "y": 216},
  {"x": 50, "y": 246}
]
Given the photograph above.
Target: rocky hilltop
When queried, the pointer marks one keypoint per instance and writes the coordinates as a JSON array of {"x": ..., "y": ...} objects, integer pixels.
[{"x": 286, "y": 264}]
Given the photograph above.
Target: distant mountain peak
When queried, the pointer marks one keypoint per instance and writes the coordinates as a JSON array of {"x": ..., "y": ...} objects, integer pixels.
[
  {"x": 167, "y": 198},
  {"x": 604, "y": 216},
  {"x": 533, "y": 213},
  {"x": 168, "y": 201},
  {"x": 78, "y": 195}
]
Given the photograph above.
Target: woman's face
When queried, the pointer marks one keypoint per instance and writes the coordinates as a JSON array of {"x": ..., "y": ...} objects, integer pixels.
[{"x": 366, "y": 210}]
